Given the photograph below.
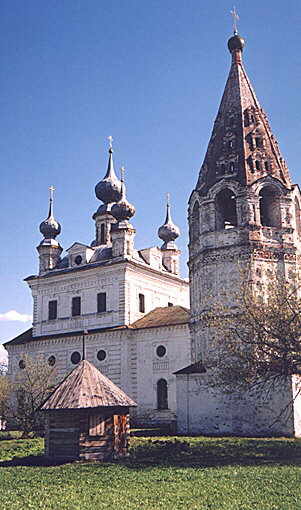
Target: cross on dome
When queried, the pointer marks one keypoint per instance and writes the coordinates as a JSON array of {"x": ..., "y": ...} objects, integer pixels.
[
  {"x": 110, "y": 139},
  {"x": 235, "y": 20},
  {"x": 50, "y": 228}
]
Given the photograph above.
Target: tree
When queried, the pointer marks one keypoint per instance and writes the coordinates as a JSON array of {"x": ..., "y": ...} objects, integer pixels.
[
  {"x": 5, "y": 392},
  {"x": 33, "y": 385},
  {"x": 256, "y": 340}
]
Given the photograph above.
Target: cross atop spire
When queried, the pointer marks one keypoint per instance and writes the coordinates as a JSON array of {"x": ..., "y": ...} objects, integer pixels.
[
  {"x": 235, "y": 20},
  {"x": 110, "y": 139},
  {"x": 122, "y": 173},
  {"x": 168, "y": 199},
  {"x": 51, "y": 192}
]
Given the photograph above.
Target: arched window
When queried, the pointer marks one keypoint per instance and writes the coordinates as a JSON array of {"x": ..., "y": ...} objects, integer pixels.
[
  {"x": 258, "y": 141},
  {"x": 225, "y": 204},
  {"x": 195, "y": 221},
  {"x": 102, "y": 233},
  {"x": 258, "y": 165},
  {"x": 269, "y": 207},
  {"x": 162, "y": 394},
  {"x": 297, "y": 216}
]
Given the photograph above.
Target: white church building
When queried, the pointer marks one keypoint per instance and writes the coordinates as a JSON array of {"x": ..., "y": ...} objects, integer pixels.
[{"x": 130, "y": 308}]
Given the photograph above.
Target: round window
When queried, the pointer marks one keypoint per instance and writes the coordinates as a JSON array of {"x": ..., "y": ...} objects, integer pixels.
[
  {"x": 75, "y": 357},
  {"x": 101, "y": 355},
  {"x": 51, "y": 361},
  {"x": 161, "y": 351},
  {"x": 78, "y": 259},
  {"x": 22, "y": 364}
]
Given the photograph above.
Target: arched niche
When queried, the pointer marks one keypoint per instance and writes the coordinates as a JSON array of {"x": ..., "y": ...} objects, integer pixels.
[
  {"x": 225, "y": 207},
  {"x": 162, "y": 394},
  {"x": 269, "y": 205},
  {"x": 297, "y": 216},
  {"x": 195, "y": 222}
]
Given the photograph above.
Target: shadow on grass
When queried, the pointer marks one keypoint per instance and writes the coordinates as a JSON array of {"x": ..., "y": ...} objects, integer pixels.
[
  {"x": 198, "y": 452},
  {"x": 205, "y": 452},
  {"x": 151, "y": 432},
  {"x": 33, "y": 461}
]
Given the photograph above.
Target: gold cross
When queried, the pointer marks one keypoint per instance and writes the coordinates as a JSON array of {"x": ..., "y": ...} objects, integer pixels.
[
  {"x": 235, "y": 20},
  {"x": 110, "y": 138},
  {"x": 51, "y": 190},
  {"x": 122, "y": 172}
]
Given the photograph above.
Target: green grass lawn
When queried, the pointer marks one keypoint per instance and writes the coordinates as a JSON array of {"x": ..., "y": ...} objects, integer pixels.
[{"x": 162, "y": 473}]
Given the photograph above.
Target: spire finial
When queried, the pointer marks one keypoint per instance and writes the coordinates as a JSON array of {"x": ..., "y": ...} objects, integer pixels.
[
  {"x": 50, "y": 228},
  {"x": 168, "y": 199},
  {"x": 51, "y": 192},
  {"x": 168, "y": 232},
  {"x": 235, "y": 20},
  {"x": 110, "y": 140},
  {"x": 122, "y": 173},
  {"x": 122, "y": 210},
  {"x": 108, "y": 190}
]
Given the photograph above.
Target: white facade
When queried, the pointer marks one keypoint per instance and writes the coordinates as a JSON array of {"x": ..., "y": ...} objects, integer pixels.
[
  {"x": 122, "y": 282},
  {"x": 131, "y": 361},
  {"x": 207, "y": 411},
  {"x": 102, "y": 290}
]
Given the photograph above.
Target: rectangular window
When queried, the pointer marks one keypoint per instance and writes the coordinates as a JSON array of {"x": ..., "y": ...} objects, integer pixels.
[
  {"x": 52, "y": 310},
  {"x": 170, "y": 304},
  {"x": 76, "y": 306},
  {"x": 141, "y": 303},
  {"x": 101, "y": 302}
]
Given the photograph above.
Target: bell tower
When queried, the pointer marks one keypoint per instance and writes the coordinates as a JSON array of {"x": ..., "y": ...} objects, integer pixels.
[{"x": 244, "y": 211}]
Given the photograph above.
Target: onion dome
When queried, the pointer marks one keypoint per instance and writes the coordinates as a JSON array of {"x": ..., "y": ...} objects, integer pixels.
[
  {"x": 50, "y": 228},
  {"x": 123, "y": 210},
  {"x": 109, "y": 188},
  {"x": 236, "y": 42},
  {"x": 168, "y": 232}
]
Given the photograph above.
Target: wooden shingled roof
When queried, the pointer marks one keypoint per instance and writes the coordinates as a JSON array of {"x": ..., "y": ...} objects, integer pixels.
[
  {"x": 86, "y": 387},
  {"x": 163, "y": 316}
]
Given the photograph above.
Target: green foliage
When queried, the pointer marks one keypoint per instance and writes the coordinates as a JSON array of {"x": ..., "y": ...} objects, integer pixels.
[
  {"x": 162, "y": 473},
  {"x": 9, "y": 434}
]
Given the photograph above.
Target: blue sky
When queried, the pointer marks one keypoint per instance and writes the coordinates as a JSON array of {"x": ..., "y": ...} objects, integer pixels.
[{"x": 149, "y": 73}]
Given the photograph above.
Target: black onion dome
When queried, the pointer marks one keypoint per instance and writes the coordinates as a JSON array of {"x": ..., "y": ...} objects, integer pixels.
[
  {"x": 50, "y": 228},
  {"x": 236, "y": 42},
  {"x": 123, "y": 210},
  {"x": 169, "y": 231},
  {"x": 109, "y": 188}
]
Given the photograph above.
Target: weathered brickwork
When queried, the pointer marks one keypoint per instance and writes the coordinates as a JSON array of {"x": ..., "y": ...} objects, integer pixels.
[{"x": 244, "y": 216}]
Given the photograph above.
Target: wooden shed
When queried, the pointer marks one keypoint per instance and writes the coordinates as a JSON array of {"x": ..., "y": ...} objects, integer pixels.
[{"x": 87, "y": 417}]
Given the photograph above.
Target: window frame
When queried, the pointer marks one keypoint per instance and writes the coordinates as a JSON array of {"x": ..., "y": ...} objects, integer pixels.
[
  {"x": 141, "y": 298},
  {"x": 76, "y": 308},
  {"x": 103, "y": 308},
  {"x": 52, "y": 314}
]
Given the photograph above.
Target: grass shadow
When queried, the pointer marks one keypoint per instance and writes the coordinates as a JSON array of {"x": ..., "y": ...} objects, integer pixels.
[
  {"x": 218, "y": 452},
  {"x": 33, "y": 461},
  {"x": 151, "y": 432}
]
